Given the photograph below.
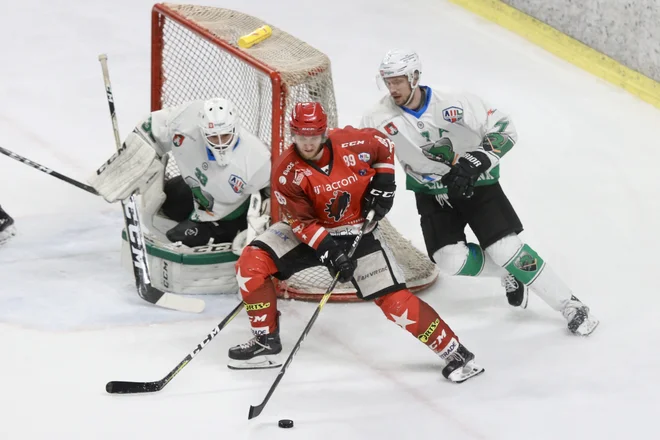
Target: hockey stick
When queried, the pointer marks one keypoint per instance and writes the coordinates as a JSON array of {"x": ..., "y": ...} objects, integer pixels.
[
  {"x": 256, "y": 410},
  {"x": 42, "y": 168},
  {"x": 121, "y": 387},
  {"x": 132, "y": 221}
]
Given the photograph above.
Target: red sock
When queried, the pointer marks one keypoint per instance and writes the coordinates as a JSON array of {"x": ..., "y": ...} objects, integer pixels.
[
  {"x": 253, "y": 272},
  {"x": 417, "y": 317}
]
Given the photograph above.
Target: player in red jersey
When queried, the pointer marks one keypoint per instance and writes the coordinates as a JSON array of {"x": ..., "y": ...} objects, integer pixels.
[{"x": 326, "y": 183}]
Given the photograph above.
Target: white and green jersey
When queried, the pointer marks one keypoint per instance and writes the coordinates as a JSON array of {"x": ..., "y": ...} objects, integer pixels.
[
  {"x": 430, "y": 140},
  {"x": 220, "y": 192}
]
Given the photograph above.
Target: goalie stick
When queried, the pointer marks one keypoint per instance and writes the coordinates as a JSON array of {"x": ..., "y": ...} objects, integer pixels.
[
  {"x": 122, "y": 387},
  {"x": 256, "y": 410},
  {"x": 132, "y": 221},
  {"x": 42, "y": 168}
]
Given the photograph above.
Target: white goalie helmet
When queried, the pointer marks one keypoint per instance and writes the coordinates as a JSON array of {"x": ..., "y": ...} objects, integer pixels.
[
  {"x": 218, "y": 121},
  {"x": 402, "y": 62}
]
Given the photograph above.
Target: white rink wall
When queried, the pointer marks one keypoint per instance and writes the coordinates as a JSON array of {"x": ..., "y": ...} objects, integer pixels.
[{"x": 626, "y": 30}]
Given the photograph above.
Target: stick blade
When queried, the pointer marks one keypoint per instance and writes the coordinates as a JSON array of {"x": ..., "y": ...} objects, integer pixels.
[
  {"x": 122, "y": 387},
  {"x": 255, "y": 411},
  {"x": 181, "y": 303}
]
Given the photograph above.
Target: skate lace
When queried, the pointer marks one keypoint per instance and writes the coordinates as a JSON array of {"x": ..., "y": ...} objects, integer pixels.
[
  {"x": 510, "y": 283},
  {"x": 251, "y": 342},
  {"x": 455, "y": 356}
]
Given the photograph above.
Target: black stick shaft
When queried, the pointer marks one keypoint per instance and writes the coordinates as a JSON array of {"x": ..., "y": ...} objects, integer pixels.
[
  {"x": 256, "y": 410},
  {"x": 43, "y": 169}
]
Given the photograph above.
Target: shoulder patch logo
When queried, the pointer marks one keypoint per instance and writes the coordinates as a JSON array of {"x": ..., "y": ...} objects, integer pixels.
[
  {"x": 336, "y": 207},
  {"x": 298, "y": 177},
  {"x": 237, "y": 184},
  {"x": 452, "y": 114},
  {"x": 364, "y": 157},
  {"x": 391, "y": 129},
  {"x": 178, "y": 139}
]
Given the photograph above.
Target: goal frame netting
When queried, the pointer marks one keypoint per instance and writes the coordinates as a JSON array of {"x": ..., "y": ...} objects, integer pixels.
[{"x": 312, "y": 81}]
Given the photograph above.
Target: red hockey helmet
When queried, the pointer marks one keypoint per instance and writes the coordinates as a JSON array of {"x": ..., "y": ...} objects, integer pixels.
[{"x": 308, "y": 119}]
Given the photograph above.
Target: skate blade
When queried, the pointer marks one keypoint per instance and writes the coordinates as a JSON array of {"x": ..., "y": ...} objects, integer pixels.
[
  {"x": 525, "y": 300},
  {"x": 260, "y": 363},
  {"x": 469, "y": 370},
  {"x": 587, "y": 327}
]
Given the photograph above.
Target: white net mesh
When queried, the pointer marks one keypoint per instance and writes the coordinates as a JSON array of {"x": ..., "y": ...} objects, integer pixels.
[{"x": 201, "y": 59}]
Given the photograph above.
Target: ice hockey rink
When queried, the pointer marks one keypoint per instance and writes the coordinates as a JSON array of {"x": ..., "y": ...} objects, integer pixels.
[{"x": 70, "y": 319}]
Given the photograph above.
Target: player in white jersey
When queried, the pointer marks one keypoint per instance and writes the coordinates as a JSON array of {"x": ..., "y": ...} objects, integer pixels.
[
  {"x": 225, "y": 172},
  {"x": 450, "y": 146},
  {"x": 7, "y": 228}
]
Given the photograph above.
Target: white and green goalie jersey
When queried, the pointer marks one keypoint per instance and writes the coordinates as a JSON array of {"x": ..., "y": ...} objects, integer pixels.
[
  {"x": 221, "y": 193},
  {"x": 447, "y": 125}
]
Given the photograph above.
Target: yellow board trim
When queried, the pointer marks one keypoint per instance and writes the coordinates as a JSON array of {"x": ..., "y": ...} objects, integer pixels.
[{"x": 565, "y": 47}]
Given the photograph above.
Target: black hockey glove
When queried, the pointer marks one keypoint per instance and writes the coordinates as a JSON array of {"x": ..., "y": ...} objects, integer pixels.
[
  {"x": 335, "y": 259},
  {"x": 461, "y": 178},
  {"x": 379, "y": 196}
]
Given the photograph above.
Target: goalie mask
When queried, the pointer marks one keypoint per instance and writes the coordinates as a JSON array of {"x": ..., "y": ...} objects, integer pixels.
[
  {"x": 219, "y": 125},
  {"x": 399, "y": 62}
]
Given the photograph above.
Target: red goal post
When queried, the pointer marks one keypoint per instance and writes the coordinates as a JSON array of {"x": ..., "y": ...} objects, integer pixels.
[{"x": 195, "y": 55}]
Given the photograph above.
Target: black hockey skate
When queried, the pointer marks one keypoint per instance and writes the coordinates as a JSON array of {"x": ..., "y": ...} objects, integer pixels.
[
  {"x": 7, "y": 229},
  {"x": 580, "y": 322},
  {"x": 517, "y": 292},
  {"x": 257, "y": 353},
  {"x": 460, "y": 365}
]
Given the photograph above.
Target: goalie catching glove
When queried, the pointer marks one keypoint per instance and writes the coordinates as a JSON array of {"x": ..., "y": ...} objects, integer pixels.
[
  {"x": 379, "y": 196},
  {"x": 335, "y": 259},
  {"x": 460, "y": 180},
  {"x": 133, "y": 168}
]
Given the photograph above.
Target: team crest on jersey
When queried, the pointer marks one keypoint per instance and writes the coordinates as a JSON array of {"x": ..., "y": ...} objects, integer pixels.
[
  {"x": 178, "y": 139},
  {"x": 391, "y": 129},
  {"x": 452, "y": 114},
  {"x": 337, "y": 206},
  {"x": 298, "y": 177},
  {"x": 364, "y": 157},
  {"x": 441, "y": 150},
  {"x": 236, "y": 183}
]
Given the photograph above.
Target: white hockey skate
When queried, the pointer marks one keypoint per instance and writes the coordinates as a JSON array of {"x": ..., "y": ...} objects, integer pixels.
[{"x": 580, "y": 322}]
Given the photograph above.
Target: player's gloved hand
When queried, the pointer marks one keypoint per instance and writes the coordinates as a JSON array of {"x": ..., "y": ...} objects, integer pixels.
[
  {"x": 335, "y": 259},
  {"x": 379, "y": 196},
  {"x": 461, "y": 178}
]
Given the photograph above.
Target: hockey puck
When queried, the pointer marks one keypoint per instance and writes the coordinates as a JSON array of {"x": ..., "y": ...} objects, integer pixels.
[{"x": 285, "y": 423}]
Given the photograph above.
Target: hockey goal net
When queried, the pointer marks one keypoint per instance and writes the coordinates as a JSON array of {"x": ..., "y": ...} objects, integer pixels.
[{"x": 195, "y": 55}]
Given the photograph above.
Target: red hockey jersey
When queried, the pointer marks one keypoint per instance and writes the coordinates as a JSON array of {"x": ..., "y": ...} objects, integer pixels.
[{"x": 315, "y": 202}]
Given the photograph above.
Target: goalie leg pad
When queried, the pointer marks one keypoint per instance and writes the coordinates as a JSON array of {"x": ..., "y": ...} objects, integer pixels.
[
  {"x": 417, "y": 317},
  {"x": 253, "y": 274},
  {"x": 180, "y": 269}
]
